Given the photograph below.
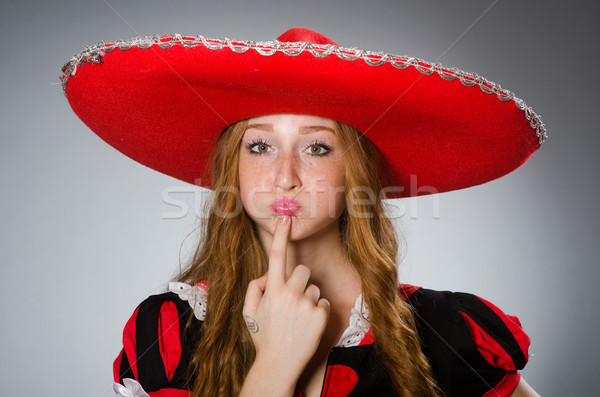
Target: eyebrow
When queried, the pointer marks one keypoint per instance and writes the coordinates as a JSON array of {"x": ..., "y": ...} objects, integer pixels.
[{"x": 309, "y": 129}]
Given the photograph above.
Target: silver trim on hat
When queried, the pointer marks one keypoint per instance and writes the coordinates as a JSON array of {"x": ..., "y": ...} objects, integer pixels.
[{"x": 94, "y": 54}]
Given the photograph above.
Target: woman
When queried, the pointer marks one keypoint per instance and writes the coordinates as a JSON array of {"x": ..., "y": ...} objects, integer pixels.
[{"x": 293, "y": 285}]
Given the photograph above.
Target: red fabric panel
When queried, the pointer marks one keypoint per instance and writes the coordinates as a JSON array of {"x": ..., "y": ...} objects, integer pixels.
[
  {"x": 506, "y": 386},
  {"x": 203, "y": 284},
  {"x": 117, "y": 366},
  {"x": 129, "y": 347},
  {"x": 298, "y": 392},
  {"x": 489, "y": 348},
  {"x": 169, "y": 340},
  {"x": 170, "y": 393},
  {"x": 368, "y": 339},
  {"x": 514, "y": 325},
  {"x": 406, "y": 290},
  {"x": 339, "y": 381}
]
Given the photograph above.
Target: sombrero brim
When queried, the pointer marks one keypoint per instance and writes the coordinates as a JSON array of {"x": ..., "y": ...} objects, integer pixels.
[{"x": 163, "y": 101}]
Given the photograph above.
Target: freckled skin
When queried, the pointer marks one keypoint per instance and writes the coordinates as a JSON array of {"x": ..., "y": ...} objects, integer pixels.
[{"x": 288, "y": 164}]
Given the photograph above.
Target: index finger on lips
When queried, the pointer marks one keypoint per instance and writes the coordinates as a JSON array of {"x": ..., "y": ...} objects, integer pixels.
[{"x": 278, "y": 251}]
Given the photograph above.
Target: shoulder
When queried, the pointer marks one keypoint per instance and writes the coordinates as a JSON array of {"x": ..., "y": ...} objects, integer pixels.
[
  {"x": 160, "y": 337},
  {"x": 473, "y": 346}
]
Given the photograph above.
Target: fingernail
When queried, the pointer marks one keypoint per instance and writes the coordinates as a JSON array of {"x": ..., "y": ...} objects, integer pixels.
[{"x": 284, "y": 219}]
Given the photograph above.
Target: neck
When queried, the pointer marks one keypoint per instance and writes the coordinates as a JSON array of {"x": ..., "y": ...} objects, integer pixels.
[{"x": 324, "y": 255}]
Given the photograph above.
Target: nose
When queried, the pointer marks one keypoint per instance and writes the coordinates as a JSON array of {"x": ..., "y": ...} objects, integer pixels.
[{"x": 287, "y": 177}]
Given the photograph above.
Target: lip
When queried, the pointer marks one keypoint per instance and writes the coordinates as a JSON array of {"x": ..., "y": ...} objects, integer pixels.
[{"x": 286, "y": 206}]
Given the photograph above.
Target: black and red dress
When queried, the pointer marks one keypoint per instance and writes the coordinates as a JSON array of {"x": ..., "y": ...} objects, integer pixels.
[{"x": 474, "y": 348}]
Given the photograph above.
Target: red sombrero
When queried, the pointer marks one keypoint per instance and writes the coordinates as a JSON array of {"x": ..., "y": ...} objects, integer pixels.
[{"x": 164, "y": 100}]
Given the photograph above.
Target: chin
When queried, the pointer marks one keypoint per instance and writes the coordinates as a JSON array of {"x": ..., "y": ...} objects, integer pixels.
[{"x": 302, "y": 230}]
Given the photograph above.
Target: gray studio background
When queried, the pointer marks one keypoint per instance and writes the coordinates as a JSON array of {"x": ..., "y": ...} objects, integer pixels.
[{"x": 86, "y": 235}]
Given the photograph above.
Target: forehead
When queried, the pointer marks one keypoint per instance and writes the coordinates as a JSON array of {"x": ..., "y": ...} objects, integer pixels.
[{"x": 289, "y": 121}]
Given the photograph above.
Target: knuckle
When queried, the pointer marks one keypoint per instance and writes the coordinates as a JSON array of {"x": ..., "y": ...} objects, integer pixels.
[
  {"x": 313, "y": 290},
  {"x": 303, "y": 270},
  {"x": 292, "y": 295},
  {"x": 299, "y": 300},
  {"x": 323, "y": 305}
]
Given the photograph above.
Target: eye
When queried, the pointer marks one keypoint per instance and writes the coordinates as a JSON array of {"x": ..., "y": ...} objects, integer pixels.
[
  {"x": 258, "y": 147},
  {"x": 318, "y": 148}
]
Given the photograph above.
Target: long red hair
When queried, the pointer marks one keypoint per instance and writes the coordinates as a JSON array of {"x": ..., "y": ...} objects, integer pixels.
[{"x": 230, "y": 255}]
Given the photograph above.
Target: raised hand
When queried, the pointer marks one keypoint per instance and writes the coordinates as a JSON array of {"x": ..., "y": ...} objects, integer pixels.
[{"x": 285, "y": 317}]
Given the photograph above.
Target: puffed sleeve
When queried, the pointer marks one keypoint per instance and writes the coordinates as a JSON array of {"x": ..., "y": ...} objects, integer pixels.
[
  {"x": 157, "y": 348},
  {"x": 474, "y": 347}
]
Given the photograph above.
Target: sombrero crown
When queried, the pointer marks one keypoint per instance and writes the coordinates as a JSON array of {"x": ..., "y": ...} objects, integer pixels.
[{"x": 163, "y": 101}]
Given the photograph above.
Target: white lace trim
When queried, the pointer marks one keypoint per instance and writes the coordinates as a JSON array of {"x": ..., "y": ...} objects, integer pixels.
[
  {"x": 95, "y": 53},
  {"x": 358, "y": 325},
  {"x": 130, "y": 388},
  {"x": 196, "y": 297}
]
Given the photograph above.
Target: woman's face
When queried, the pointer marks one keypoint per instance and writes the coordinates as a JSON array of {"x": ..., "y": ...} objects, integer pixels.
[{"x": 292, "y": 165}]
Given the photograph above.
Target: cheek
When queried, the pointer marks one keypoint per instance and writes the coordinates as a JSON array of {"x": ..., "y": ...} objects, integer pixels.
[
  {"x": 335, "y": 176},
  {"x": 329, "y": 190},
  {"x": 253, "y": 184},
  {"x": 340, "y": 182}
]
